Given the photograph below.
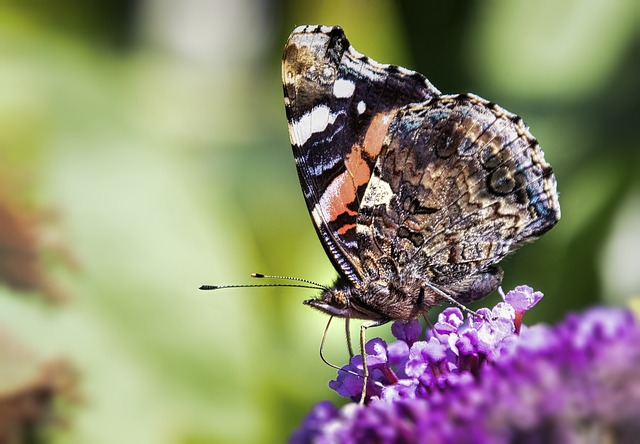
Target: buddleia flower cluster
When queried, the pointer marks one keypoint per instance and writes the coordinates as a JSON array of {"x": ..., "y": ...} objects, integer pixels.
[{"x": 491, "y": 379}]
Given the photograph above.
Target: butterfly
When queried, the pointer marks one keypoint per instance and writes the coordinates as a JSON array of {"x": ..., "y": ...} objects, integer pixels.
[{"x": 415, "y": 195}]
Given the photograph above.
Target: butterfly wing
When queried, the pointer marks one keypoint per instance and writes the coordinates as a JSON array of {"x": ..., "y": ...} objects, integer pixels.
[
  {"x": 339, "y": 105},
  {"x": 459, "y": 183}
]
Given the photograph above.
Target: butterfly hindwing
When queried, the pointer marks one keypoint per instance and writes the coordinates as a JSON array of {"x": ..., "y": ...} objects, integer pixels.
[{"x": 459, "y": 183}]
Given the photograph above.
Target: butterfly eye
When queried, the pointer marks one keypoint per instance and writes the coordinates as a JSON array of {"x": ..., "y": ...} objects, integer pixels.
[{"x": 339, "y": 300}]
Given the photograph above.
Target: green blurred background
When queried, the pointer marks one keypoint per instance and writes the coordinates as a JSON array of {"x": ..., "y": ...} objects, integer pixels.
[{"x": 144, "y": 145}]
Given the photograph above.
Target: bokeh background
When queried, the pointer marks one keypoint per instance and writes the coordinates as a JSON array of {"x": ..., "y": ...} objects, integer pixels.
[{"x": 144, "y": 151}]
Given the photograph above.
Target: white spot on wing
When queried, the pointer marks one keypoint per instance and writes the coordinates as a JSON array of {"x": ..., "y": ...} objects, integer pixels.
[
  {"x": 361, "y": 107},
  {"x": 312, "y": 122},
  {"x": 343, "y": 88},
  {"x": 363, "y": 69},
  {"x": 317, "y": 217},
  {"x": 378, "y": 193}
]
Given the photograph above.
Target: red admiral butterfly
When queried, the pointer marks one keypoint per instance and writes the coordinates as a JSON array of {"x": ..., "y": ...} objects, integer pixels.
[{"x": 415, "y": 195}]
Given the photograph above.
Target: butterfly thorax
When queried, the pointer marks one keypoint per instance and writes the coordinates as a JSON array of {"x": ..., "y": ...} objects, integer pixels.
[{"x": 402, "y": 298}]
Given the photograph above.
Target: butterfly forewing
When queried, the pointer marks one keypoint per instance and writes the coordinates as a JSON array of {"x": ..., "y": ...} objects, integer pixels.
[{"x": 339, "y": 106}]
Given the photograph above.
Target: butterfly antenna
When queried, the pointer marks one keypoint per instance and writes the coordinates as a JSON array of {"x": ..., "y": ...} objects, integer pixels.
[
  {"x": 309, "y": 284},
  {"x": 221, "y": 287},
  {"x": 290, "y": 278}
]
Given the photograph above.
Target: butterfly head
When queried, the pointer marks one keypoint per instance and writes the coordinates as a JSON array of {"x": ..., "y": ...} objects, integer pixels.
[{"x": 345, "y": 300}]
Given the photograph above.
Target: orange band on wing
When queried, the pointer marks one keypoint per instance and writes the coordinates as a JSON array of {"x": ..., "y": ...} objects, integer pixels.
[
  {"x": 377, "y": 132},
  {"x": 343, "y": 229},
  {"x": 343, "y": 189}
]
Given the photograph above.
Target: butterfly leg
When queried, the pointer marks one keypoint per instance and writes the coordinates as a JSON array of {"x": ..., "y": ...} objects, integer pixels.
[
  {"x": 450, "y": 299},
  {"x": 347, "y": 333},
  {"x": 363, "y": 353},
  {"x": 324, "y": 337},
  {"x": 470, "y": 289}
]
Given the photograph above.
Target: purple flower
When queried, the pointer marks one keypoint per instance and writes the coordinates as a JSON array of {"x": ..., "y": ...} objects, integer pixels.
[
  {"x": 449, "y": 321},
  {"x": 314, "y": 423},
  {"x": 484, "y": 380},
  {"x": 349, "y": 380},
  {"x": 522, "y": 298},
  {"x": 408, "y": 332}
]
